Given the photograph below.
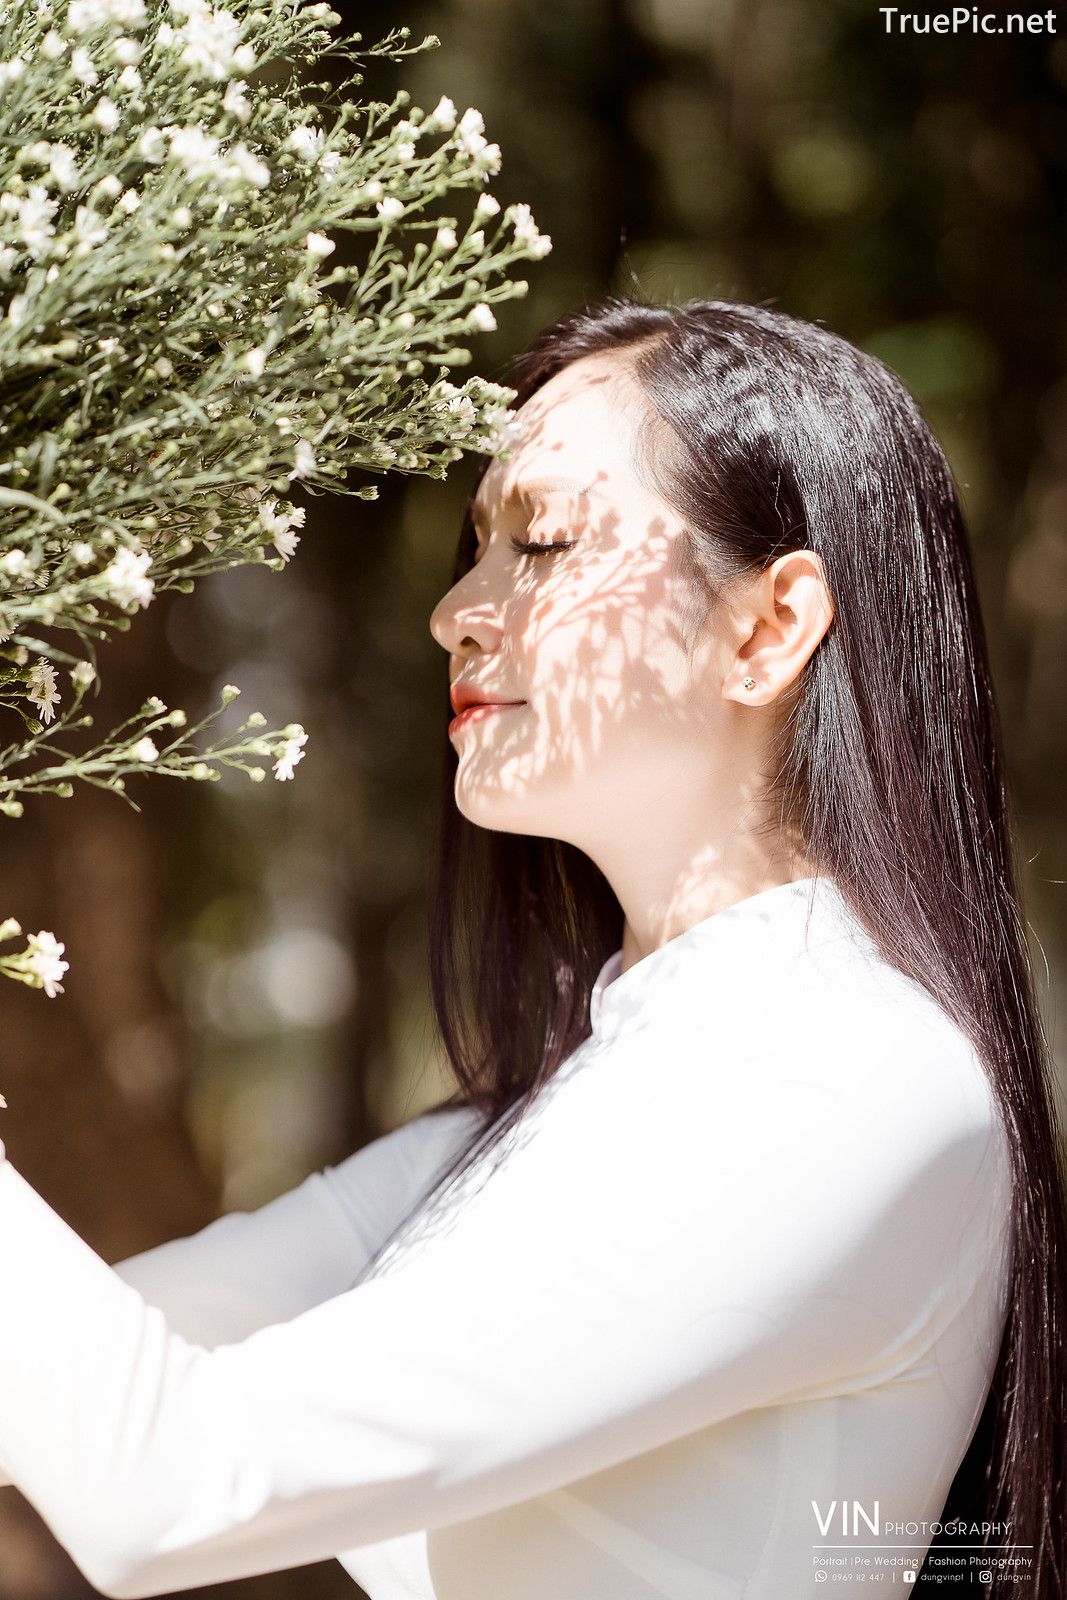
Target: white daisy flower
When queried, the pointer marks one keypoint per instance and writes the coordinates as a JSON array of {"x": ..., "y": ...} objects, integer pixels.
[
  {"x": 291, "y": 752},
  {"x": 41, "y": 688},
  {"x": 43, "y": 954}
]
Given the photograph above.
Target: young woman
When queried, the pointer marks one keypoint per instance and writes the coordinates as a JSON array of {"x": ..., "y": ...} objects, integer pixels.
[{"x": 740, "y": 1252}]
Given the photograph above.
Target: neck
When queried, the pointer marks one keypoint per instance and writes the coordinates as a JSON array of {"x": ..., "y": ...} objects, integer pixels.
[{"x": 700, "y": 889}]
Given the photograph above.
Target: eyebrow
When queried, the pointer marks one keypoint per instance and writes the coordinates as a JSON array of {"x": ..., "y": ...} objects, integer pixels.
[{"x": 526, "y": 491}]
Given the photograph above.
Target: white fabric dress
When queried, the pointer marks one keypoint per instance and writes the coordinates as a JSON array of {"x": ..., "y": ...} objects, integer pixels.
[{"x": 741, "y": 1270}]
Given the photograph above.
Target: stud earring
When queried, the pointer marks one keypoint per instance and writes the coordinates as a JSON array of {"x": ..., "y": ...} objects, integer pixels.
[{"x": 749, "y": 683}]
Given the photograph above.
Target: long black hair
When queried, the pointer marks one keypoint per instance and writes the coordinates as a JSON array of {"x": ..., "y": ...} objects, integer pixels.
[{"x": 770, "y": 434}]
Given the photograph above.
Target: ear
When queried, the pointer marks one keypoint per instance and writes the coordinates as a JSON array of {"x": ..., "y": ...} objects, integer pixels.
[{"x": 784, "y": 616}]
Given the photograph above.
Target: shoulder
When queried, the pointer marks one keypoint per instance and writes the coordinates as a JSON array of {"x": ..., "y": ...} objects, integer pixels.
[{"x": 823, "y": 1068}]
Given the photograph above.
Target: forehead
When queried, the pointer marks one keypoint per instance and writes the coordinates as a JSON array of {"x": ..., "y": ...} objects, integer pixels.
[{"x": 574, "y": 433}]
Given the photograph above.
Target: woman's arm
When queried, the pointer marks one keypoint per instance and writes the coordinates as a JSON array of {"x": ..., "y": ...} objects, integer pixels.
[
  {"x": 673, "y": 1241},
  {"x": 249, "y": 1269}
]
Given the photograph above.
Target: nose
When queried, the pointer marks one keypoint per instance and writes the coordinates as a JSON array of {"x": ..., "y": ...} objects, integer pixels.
[{"x": 467, "y": 619}]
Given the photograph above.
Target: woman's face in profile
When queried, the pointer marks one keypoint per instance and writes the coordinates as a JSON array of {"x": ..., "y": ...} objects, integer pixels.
[{"x": 613, "y": 719}]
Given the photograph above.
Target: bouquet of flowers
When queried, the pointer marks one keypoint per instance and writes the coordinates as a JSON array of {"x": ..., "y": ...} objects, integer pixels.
[{"x": 177, "y": 350}]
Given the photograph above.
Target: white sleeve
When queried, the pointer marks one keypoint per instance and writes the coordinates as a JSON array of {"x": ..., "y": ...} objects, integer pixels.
[
  {"x": 674, "y": 1241},
  {"x": 249, "y": 1269}
]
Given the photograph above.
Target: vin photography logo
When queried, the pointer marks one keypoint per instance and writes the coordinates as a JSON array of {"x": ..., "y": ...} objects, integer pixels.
[{"x": 856, "y": 1545}]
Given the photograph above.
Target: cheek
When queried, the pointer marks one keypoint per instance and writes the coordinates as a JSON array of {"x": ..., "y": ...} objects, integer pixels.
[{"x": 606, "y": 653}]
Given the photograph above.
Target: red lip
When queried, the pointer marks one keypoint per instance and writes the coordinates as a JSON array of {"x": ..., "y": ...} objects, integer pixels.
[
  {"x": 481, "y": 709},
  {"x": 465, "y": 695}
]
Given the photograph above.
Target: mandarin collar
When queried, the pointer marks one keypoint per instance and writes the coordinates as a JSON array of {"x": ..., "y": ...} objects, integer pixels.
[{"x": 725, "y": 947}]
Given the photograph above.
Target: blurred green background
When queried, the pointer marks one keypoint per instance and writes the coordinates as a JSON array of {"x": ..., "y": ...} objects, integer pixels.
[{"x": 248, "y": 998}]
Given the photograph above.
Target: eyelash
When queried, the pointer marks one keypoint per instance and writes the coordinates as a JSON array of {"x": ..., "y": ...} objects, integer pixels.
[{"x": 530, "y": 547}]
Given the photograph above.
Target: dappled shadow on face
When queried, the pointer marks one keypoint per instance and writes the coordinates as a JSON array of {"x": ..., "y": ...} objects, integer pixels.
[{"x": 623, "y": 714}]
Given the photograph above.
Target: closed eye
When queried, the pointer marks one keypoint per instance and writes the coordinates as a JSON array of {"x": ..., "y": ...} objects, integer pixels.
[{"x": 539, "y": 547}]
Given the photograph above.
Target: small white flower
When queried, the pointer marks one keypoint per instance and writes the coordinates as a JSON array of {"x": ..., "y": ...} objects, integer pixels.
[
  {"x": 235, "y": 101},
  {"x": 526, "y": 229},
  {"x": 446, "y": 238},
  {"x": 319, "y": 246},
  {"x": 469, "y": 133},
  {"x": 443, "y": 115},
  {"x": 196, "y": 150},
  {"x": 405, "y": 151},
  {"x": 330, "y": 163},
  {"x": 106, "y": 114},
  {"x": 53, "y": 45},
  {"x": 16, "y": 563},
  {"x": 35, "y": 213},
  {"x": 128, "y": 80},
  {"x": 17, "y": 308},
  {"x": 255, "y": 360},
  {"x": 164, "y": 367},
  {"x": 291, "y": 752},
  {"x": 390, "y": 207},
  {"x": 85, "y": 15},
  {"x": 81, "y": 64},
  {"x": 8, "y": 257},
  {"x": 488, "y": 206},
  {"x": 89, "y": 226},
  {"x": 11, "y": 71},
  {"x": 43, "y": 953},
  {"x": 482, "y": 318},
  {"x": 304, "y": 460},
  {"x": 463, "y": 413},
  {"x": 83, "y": 673},
  {"x": 125, "y": 577},
  {"x": 505, "y": 430},
  {"x": 143, "y": 750},
  {"x": 129, "y": 200},
  {"x": 246, "y": 165},
  {"x": 150, "y": 145},
  {"x": 83, "y": 553},
  {"x": 126, "y": 51},
  {"x": 109, "y": 186},
  {"x": 63, "y": 167},
  {"x": 279, "y": 524},
  {"x": 307, "y": 142},
  {"x": 208, "y": 43},
  {"x": 41, "y": 688},
  {"x": 182, "y": 217},
  {"x": 285, "y": 542}
]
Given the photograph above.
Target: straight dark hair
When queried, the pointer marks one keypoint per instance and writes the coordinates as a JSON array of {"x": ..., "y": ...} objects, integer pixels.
[{"x": 768, "y": 434}]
